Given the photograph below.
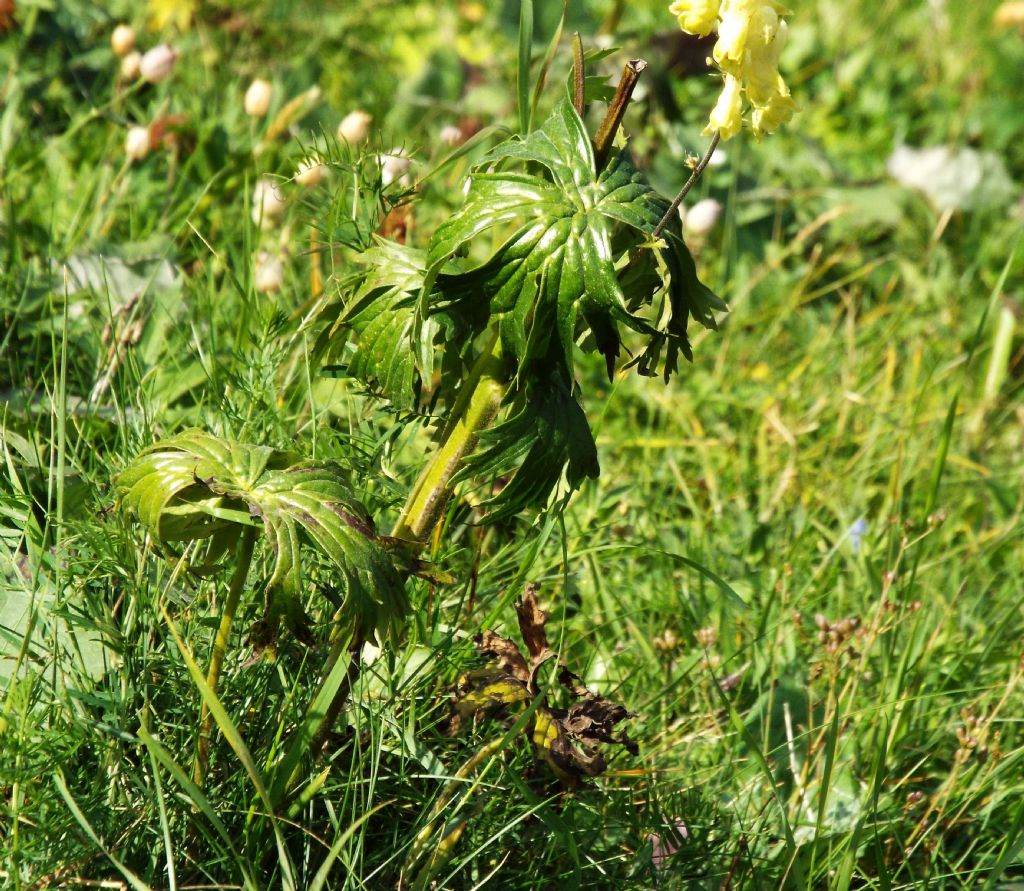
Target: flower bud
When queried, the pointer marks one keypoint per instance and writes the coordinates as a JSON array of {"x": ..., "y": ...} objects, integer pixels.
[
  {"x": 394, "y": 166},
  {"x": 257, "y": 98},
  {"x": 268, "y": 203},
  {"x": 702, "y": 217},
  {"x": 268, "y": 275},
  {"x": 130, "y": 65},
  {"x": 354, "y": 127},
  {"x": 310, "y": 172},
  {"x": 451, "y": 136},
  {"x": 136, "y": 143},
  {"x": 122, "y": 40},
  {"x": 158, "y": 63}
]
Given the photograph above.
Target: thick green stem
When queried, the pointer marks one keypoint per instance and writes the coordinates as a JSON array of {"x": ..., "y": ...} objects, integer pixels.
[
  {"x": 473, "y": 412},
  {"x": 243, "y": 561}
]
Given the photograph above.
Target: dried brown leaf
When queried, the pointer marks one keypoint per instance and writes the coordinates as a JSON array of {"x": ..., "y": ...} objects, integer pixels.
[{"x": 509, "y": 658}]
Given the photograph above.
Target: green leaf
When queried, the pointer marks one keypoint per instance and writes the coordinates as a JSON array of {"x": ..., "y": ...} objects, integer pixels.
[
  {"x": 573, "y": 241},
  {"x": 545, "y": 434},
  {"x": 376, "y": 315},
  {"x": 198, "y": 486}
]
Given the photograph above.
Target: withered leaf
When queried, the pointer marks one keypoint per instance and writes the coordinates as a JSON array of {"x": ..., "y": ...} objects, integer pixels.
[
  {"x": 509, "y": 658},
  {"x": 532, "y": 620},
  {"x": 593, "y": 720},
  {"x": 565, "y": 740}
]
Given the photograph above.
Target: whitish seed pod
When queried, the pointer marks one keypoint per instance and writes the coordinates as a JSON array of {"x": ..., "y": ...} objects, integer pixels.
[
  {"x": 354, "y": 127},
  {"x": 257, "y": 98},
  {"x": 131, "y": 65},
  {"x": 268, "y": 276},
  {"x": 702, "y": 218},
  {"x": 310, "y": 172},
  {"x": 394, "y": 166},
  {"x": 157, "y": 64},
  {"x": 268, "y": 203},
  {"x": 451, "y": 136},
  {"x": 122, "y": 40},
  {"x": 136, "y": 143}
]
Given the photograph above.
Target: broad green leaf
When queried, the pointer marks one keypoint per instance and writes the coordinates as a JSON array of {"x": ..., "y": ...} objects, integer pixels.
[
  {"x": 374, "y": 313},
  {"x": 198, "y": 486},
  {"x": 547, "y": 433},
  {"x": 568, "y": 236}
]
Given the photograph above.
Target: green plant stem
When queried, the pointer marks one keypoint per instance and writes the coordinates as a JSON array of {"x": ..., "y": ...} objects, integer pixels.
[
  {"x": 338, "y": 645},
  {"x": 243, "y": 561},
  {"x": 473, "y": 412}
]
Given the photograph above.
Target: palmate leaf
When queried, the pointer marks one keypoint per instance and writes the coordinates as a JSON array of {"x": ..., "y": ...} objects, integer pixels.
[
  {"x": 545, "y": 434},
  {"x": 197, "y": 486},
  {"x": 573, "y": 233},
  {"x": 376, "y": 315}
]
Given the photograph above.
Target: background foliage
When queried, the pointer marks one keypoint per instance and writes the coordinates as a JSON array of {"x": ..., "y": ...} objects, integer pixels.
[{"x": 800, "y": 566}]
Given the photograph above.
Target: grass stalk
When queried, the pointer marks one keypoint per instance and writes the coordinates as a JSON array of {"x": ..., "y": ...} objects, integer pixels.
[{"x": 220, "y": 643}]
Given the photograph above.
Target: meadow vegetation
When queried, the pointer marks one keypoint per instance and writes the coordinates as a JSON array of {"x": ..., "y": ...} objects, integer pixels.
[{"x": 800, "y": 569}]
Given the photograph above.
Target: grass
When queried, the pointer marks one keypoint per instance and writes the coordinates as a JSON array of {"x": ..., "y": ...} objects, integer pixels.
[{"x": 816, "y": 706}]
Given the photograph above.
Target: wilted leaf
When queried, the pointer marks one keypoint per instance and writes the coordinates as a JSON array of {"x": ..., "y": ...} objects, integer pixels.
[{"x": 565, "y": 740}]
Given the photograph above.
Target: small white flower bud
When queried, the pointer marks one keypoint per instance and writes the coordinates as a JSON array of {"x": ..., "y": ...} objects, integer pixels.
[
  {"x": 268, "y": 203},
  {"x": 354, "y": 127},
  {"x": 257, "y": 98},
  {"x": 136, "y": 143},
  {"x": 122, "y": 40},
  {"x": 310, "y": 172},
  {"x": 394, "y": 166},
  {"x": 268, "y": 276},
  {"x": 451, "y": 136},
  {"x": 131, "y": 65},
  {"x": 158, "y": 63},
  {"x": 702, "y": 218}
]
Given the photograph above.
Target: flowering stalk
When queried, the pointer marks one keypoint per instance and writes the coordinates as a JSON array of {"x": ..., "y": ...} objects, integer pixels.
[{"x": 751, "y": 35}]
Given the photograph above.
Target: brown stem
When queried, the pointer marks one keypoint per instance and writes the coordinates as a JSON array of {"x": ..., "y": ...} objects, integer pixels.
[
  {"x": 610, "y": 125},
  {"x": 579, "y": 75},
  {"x": 690, "y": 183}
]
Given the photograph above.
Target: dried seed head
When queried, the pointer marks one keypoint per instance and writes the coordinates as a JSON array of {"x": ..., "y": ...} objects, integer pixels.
[
  {"x": 136, "y": 143},
  {"x": 706, "y": 637},
  {"x": 667, "y": 640},
  {"x": 158, "y": 63},
  {"x": 310, "y": 172},
  {"x": 268, "y": 276},
  {"x": 268, "y": 203},
  {"x": 122, "y": 40},
  {"x": 131, "y": 65},
  {"x": 257, "y": 98},
  {"x": 354, "y": 127}
]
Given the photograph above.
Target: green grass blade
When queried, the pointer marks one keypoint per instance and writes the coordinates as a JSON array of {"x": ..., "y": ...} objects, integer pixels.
[
  {"x": 234, "y": 738},
  {"x": 523, "y": 71},
  {"x": 130, "y": 877}
]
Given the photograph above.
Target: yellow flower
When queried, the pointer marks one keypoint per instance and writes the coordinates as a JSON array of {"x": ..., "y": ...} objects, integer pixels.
[
  {"x": 696, "y": 16},
  {"x": 778, "y": 110},
  {"x": 727, "y": 115},
  {"x": 751, "y": 35}
]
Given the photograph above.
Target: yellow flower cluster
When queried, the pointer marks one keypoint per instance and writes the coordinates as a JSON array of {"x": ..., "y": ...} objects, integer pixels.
[{"x": 751, "y": 34}]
